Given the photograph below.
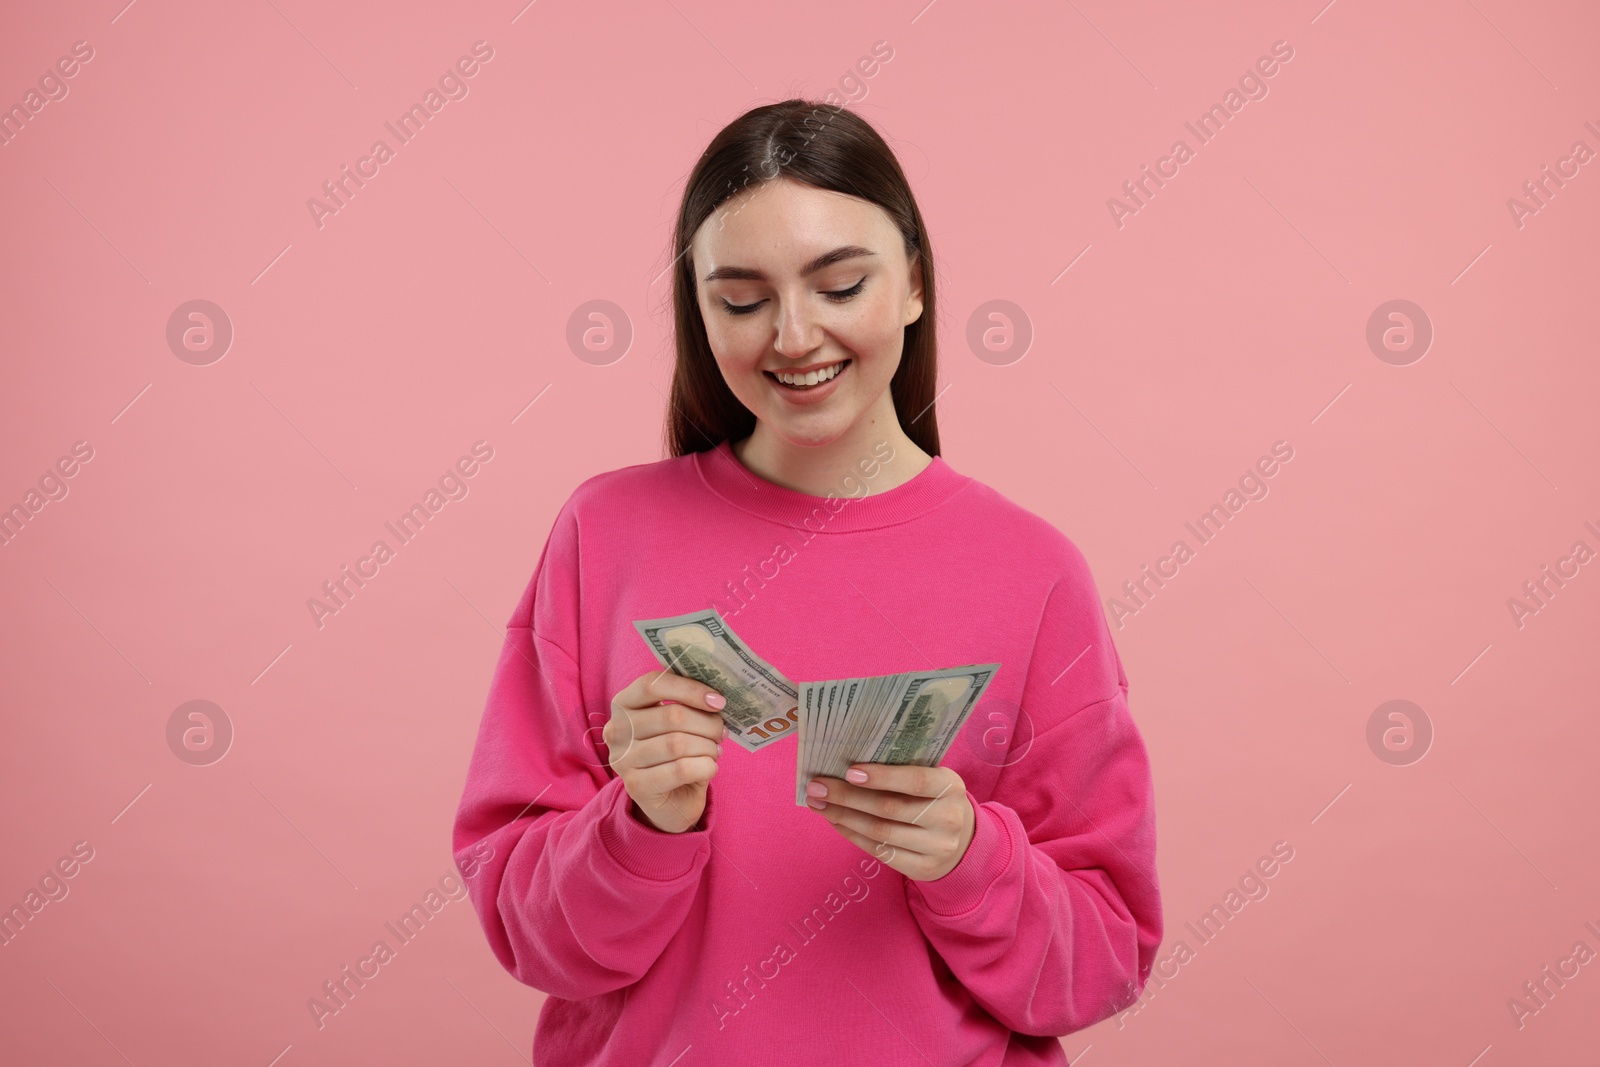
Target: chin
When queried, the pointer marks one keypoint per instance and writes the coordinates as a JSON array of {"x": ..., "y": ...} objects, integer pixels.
[{"x": 806, "y": 436}]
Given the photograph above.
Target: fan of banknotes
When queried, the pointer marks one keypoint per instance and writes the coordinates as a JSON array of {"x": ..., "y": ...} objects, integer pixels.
[{"x": 891, "y": 718}]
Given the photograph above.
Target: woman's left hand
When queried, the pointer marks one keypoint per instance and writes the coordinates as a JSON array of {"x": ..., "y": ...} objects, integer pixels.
[{"x": 917, "y": 820}]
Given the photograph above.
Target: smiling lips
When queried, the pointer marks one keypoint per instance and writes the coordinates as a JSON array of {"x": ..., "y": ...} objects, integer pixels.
[{"x": 809, "y": 379}]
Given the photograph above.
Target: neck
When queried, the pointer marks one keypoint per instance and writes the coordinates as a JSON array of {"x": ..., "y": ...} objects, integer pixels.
[{"x": 823, "y": 469}]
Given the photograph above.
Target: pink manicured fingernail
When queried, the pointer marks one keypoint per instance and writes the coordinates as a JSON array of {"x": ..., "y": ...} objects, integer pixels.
[
  {"x": 716, "y": 700},
  {"x": 854, "y": 775},
  {"x": 815, "y": 803},
  {"x": 816, "y": 789}
]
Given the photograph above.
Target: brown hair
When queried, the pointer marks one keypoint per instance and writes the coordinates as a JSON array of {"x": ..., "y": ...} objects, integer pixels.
[{"x": 830, "y": 148}]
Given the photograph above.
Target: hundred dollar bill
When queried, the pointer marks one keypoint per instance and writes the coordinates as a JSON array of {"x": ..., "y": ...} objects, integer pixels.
[
  {"x": 924, "y": 719},
  {"x": 909, "y": 718},
  {"x": 763, "y": 705},
  {"x": 822, "y": 703}
]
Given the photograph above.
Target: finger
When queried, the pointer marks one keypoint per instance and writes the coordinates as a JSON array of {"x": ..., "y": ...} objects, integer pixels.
[
  {"x": 907, "y": 778},
  {"x": 883, "y": 851},
  {"x": 658, "y": 686},
  {"x": 674, "y": 745},
  {"x": 665, "y": 777},
  {"x": 673, "y": 718},
  {"x": 890, "y": 831},
  {"x": 899, "y": 807}
]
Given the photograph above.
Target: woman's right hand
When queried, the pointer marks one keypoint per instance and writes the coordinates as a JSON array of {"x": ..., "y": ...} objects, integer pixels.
[{"x": 665, "y": 752}]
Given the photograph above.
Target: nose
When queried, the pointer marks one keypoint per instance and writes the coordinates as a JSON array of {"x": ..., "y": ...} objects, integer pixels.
[{"x": 798, "y": 332}]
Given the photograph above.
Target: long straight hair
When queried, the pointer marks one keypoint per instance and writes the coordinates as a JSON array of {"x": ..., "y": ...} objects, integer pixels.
[{"x": 827, "y": 147}]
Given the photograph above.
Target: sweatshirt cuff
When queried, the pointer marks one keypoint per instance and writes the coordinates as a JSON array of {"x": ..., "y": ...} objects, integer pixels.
[
  {"x": 965, "y": 885},
  {"x": 644, "y": 851}
]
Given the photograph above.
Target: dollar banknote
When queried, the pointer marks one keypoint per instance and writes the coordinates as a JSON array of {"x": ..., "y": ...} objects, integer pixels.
[
  {"x": 909, "y": 718},
  {"x": 762, "y": 704}
]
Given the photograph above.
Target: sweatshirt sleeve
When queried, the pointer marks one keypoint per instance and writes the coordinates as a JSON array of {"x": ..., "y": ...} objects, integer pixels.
[
  {"x": 577, "y": 896},
  {"x": 1052, "y": 918}
]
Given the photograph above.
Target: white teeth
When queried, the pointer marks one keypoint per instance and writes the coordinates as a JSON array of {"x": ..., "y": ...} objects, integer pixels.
[{"x": 811, "y": 377}]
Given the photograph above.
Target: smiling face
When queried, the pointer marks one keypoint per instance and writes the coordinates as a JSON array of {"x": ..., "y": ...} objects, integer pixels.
[{"x": 812, "y": 286}]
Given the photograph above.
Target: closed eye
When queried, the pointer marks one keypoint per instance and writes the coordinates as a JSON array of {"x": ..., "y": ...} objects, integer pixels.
[{"x": 838, "y": 296}]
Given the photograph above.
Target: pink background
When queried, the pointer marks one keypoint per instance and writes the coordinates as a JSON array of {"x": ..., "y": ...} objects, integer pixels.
[{"x": 369, "y": 354}]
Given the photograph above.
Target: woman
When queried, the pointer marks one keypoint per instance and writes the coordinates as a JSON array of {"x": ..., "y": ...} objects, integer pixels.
[{"x": 959, "y": 914}]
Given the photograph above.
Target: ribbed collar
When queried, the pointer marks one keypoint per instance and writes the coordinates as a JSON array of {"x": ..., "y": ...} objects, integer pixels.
[{"x": 725, "y": 476}]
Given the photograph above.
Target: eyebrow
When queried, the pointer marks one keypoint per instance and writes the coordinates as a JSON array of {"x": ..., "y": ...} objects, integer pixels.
[{"x": 827, "y": 259}]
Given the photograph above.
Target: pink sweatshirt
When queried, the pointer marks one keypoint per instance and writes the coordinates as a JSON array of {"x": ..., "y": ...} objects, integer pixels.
[{"x": 765, "y": 937}]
